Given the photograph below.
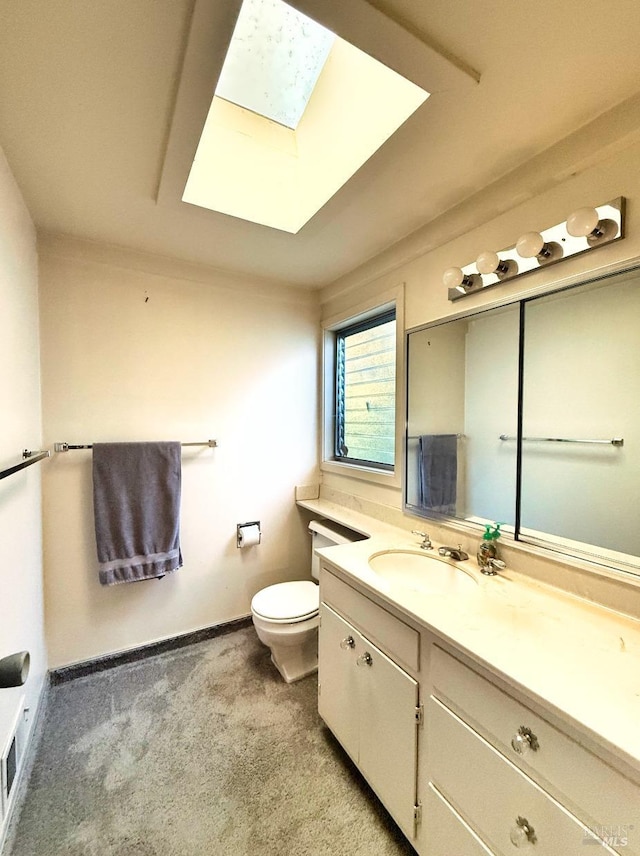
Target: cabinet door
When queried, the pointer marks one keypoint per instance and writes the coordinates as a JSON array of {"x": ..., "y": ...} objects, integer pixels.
[
  {"x": 388, "y": 732},
  {"x": 369, "y": 703},
  {"x": 337, "y": 678}
]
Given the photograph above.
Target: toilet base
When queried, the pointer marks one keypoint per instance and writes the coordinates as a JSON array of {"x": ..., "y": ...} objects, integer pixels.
[
  {"x": 294, "y": 672},
  {"x": 296, "y": 661},
  {"x": 294, "y": 647}
]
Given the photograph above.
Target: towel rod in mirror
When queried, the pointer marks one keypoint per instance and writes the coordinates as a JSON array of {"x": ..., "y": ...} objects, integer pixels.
[
  {"x": 615, "y": 441},
  {"x": 417, "y": 436}
]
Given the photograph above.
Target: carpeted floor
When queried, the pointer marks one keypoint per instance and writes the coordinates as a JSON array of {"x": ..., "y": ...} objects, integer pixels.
[{"x": 203, "y": 750}]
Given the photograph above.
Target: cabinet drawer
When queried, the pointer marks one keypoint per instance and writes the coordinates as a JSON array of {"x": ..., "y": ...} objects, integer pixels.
[
  {"x": 495, "y": 797},
  {"x": 600, "y": 795},
  {"x": 446, "y": 833},
  {"x": 391, "y": 634}
]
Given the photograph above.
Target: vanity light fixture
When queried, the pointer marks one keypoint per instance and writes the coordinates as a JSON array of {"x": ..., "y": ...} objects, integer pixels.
[{"x": 584, "y": 230}]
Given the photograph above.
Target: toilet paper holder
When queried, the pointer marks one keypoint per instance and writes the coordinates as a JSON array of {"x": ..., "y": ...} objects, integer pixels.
[{"x": 241, "y": 526}]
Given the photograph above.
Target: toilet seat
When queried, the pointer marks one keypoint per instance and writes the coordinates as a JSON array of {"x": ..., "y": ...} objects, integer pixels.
[{"x": 287, "y": 603}]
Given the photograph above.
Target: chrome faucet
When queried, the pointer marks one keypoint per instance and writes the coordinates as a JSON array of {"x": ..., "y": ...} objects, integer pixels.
[
  {"x": 426, "y": 541},
  {"x": 492, "y": 566},
  {"x": 455, "y": 553}
]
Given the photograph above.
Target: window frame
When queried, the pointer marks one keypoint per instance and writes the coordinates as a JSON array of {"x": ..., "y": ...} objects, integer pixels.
[{"x": 375, "y": 308}]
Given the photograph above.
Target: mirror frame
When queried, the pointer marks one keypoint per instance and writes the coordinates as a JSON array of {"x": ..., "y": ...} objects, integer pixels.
[{"x": 563, "y": 548}]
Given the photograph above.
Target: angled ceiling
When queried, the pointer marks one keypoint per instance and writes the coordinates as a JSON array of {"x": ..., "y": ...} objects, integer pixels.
[
  {"x": 251, "y": 167},
  {"x": 90, "y": 97}
]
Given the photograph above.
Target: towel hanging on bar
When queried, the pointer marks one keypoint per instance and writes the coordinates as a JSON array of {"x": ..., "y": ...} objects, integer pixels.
[{"x": 136, "y": 499}]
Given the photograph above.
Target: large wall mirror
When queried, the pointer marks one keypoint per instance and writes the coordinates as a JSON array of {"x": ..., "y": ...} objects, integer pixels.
[{"x": 529, "y": 414}]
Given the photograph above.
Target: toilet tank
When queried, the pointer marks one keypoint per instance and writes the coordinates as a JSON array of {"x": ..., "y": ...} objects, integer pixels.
[{"x": 326, "y": 533}]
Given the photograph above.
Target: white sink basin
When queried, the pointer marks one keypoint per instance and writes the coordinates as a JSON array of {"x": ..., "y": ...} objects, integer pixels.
[{"x": 423, "y": 572}]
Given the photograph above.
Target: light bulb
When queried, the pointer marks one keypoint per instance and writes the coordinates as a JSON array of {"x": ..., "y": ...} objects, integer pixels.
[
  {"x": 530, "y": 245},
  {"x": 453, "y": 277},
  {"x": 487, "y": 262},
  {"x": 582, "y": 222}
]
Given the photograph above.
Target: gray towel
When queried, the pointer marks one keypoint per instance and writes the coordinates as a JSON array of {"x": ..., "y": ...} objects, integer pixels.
[
  {"x": 136, "y": 503},
  {"x": 438, "y": 464}
]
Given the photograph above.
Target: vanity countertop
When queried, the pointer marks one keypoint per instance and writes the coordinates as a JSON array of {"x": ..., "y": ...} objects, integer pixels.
[{"x": 580, "y": 658}]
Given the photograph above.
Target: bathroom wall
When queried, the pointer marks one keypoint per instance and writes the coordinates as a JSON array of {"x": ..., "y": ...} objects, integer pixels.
[
  {"x": 21, "y": 613},
  {"x": 137, "y": 347},
  {"x": 592, "y": 166}
]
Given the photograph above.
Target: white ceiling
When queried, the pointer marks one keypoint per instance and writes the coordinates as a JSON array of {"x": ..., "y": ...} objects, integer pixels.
[{"x": 88, "y": 92}]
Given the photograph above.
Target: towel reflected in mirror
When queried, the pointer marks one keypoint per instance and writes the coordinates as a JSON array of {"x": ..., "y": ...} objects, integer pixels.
[{"x": 438, "y": 472}]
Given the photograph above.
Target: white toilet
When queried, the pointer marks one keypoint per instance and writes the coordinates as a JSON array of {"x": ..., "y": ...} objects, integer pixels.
[{"x": 285, "y": 615}]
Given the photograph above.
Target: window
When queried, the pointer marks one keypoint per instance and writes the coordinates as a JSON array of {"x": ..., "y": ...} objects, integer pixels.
[{"x": 365, "y": 392}]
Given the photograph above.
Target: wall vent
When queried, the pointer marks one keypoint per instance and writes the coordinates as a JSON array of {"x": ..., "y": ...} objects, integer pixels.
[{"x": 11, "y": 758}]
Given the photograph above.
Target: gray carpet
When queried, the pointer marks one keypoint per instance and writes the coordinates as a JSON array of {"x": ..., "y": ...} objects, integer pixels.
[{"x": 202, "y": 750}]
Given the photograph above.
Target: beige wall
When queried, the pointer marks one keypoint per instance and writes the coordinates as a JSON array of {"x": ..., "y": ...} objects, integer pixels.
[
  {"x": 595, "y": 165},
  {"x": 21, "y": 619},
  {"x": 141, "y": 348}
]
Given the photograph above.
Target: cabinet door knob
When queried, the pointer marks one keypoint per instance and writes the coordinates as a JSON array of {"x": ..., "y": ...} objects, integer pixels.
[
  {"x": 348, "y": 642},
  {"x": 524, "y": 741},
  {"x": 522, "y": 833},
  {"x": 365, "y": 659}
]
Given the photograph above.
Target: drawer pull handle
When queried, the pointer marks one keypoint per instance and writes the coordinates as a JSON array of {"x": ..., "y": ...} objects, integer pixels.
[
  {"x": 349, "y": 642},
  {"x": 365, "y": 659},
  {"x": 522, "y": 833},
  {"x": 524, "y": 741}
]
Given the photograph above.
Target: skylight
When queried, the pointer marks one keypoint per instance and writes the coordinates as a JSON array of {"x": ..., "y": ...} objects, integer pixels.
[{"x": 274, "y": 60}]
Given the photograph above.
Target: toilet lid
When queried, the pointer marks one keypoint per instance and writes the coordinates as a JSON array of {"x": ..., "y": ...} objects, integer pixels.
[{"x": 293, "y": 601}]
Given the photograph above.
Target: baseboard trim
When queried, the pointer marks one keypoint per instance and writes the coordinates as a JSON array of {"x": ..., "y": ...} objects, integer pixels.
[{"x": 109, "y": 661}]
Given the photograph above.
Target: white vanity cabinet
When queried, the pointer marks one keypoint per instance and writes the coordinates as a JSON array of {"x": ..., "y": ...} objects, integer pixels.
[
  {"x": 488, "y": 771},
  {"x": 370, "y": 702},
  {"x": 532, "y": 786}
]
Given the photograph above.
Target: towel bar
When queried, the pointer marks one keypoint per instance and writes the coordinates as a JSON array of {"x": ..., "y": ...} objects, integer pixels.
[
  {"x": 67, "y": 447},
  {"x": 29, "y": 458}
]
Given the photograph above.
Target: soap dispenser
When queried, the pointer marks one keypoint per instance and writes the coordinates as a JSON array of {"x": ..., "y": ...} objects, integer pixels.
[{"x": 488, "y": 548}]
